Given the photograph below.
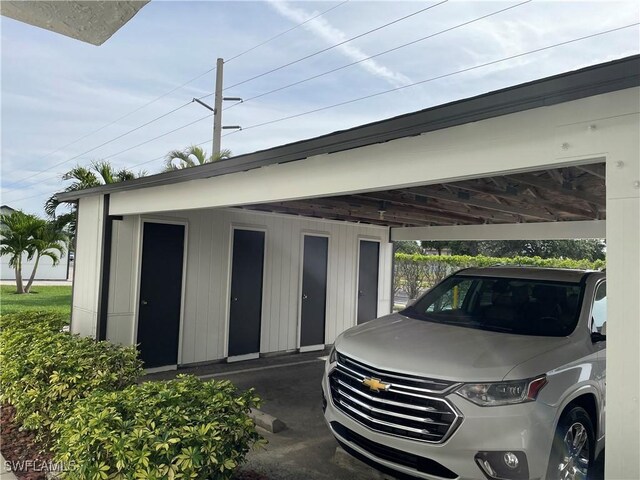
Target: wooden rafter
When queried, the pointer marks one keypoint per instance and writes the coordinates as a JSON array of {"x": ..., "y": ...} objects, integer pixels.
[
  {"x": 570, "y": 193},
  {"x": 531, "y": 212},
  {"x": 310, "y": 213},
  {"x": 597, "y": 170},
  {"x": 456, "y": 212},
  {"x": 370, "y": 209},
  {"x": 477, "y": 187},
  {"x": 538, "y": 182}
]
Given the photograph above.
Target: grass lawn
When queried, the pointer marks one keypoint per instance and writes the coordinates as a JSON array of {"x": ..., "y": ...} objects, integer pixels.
[{"x": 51, "y": 297}]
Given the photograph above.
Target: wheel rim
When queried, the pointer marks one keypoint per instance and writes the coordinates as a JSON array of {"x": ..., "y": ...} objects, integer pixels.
[{"x": 574, "y": 461}]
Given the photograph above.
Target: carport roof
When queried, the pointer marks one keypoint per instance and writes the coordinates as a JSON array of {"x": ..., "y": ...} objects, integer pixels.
[{"x": 593, "y": 80}]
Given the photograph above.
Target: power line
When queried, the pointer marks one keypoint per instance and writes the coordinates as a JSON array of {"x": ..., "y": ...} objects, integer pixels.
[
  {"x": 457, "y": 72},
  {"x": 245, "y": 81},
  {"x": 165, "y": 156},
  {"x": 156, "y": 138},
  {"x": 329, "y": 48},
  {"x": 446, "y": 75},
  {"x": 379, "y": 54},
  {"x": 161, "y": 97},
  {"x": 286, "y": 31},
  {"x": 130, "y": 168},
  {"x": 103, "y": 144}
]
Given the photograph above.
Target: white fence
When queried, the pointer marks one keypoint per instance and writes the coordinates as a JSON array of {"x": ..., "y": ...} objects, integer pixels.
[{"x": 46, "y": 270}]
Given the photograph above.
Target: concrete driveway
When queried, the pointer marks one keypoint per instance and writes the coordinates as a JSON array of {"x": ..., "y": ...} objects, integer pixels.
[{"x": 290, "y": 389}]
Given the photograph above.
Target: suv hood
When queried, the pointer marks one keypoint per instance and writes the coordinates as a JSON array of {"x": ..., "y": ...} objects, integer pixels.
[{"x": 435, "y": 350}]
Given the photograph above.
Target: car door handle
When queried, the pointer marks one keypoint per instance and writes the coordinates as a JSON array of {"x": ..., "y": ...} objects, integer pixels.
[
  {"x": 235, "y": 299},
  {"x": 144, "y": 302}
]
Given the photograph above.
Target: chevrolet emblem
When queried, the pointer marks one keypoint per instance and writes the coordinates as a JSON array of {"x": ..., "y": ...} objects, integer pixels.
[{"x": 375, "y": 384}]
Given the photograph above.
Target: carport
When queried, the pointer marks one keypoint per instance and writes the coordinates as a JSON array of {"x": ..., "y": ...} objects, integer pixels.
[{"x": 557, "y": 158}]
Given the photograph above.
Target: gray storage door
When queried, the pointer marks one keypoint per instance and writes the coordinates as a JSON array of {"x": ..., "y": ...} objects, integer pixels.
[
  {"x": 246, "y": 292},
  {"x": 368, "y": 281},
  {"x": 314, "y": 291}
]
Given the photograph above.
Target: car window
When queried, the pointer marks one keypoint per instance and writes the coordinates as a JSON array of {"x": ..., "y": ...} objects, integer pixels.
[
  {"x": 599, "y": 310},
  {"x": 520, "y": 306},
  {"x": 452, "y": 299}
]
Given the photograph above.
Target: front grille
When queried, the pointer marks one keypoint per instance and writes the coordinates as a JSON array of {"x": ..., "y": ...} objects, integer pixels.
[
  {"x": 383, "y": 452},
  {"x": 411, "y": 407}
]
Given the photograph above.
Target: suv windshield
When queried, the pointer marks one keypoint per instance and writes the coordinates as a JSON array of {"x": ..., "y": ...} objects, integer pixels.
[{"x": 524, "y": 307}]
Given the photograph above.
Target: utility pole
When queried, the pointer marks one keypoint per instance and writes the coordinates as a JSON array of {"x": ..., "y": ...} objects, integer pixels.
[{"x": 217, "y": 111}]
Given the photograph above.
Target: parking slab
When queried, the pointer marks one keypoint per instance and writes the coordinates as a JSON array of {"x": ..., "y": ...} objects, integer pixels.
[{"x": 289, "y": 387}]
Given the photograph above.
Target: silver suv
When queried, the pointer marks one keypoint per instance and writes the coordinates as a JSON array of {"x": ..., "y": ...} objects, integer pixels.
[{"x": 494, "y": 373}]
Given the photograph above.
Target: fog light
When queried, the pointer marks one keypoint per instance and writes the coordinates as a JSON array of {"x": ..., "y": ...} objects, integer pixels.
[
  {"x": 504, "y": 465},
  {"x": 511, "y": 460}
]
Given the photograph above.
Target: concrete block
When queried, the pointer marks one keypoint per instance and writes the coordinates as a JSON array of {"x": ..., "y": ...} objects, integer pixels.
[{"x": 266, "y": 421}]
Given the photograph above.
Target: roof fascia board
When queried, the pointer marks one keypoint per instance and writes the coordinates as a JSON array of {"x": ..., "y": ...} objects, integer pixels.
[{"x": 590, "y": 81}]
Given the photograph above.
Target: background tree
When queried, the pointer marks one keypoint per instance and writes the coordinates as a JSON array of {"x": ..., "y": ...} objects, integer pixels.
[
  {"x": 410, "y": 276},
  {"x": 28, "y": 235},
  {"x": 574, "y": 249},
  {"x": 191, "y": 157},
  {"x": 48, "y": 240},
  {"x": 98, "y": 173},
  {"x": 406, "y": 246}
]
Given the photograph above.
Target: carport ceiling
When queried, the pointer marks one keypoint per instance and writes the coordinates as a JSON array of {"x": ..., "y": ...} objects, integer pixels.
[{"x": 561, "y": 194}]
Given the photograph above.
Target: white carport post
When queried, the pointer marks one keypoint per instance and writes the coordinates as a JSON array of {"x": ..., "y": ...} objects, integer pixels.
[
  {"x": 623, "y": 298},
  {"x": 88, "y": 266}
]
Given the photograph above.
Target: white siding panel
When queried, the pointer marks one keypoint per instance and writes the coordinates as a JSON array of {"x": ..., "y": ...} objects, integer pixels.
[
  {"x": 87, "y": 266},
  {"x": 190, "y": 327},
  {"x": 207, "y": 285},
  {"x": 123, "y": 281},
  {"x": 208, "y": 276}
]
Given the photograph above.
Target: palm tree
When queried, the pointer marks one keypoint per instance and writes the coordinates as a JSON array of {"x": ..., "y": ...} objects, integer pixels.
[
  {"x": 99, "y": 173},
  {"x": 191, "y": 157},
  {"x": 47, "y": 240},
  {"x": 17, "y": 230}
]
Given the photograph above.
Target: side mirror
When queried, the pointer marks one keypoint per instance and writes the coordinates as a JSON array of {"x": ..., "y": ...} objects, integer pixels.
[{"x": 603, "y": 329}]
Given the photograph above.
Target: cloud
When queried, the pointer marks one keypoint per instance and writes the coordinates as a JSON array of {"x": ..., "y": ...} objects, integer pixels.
[{"x": 332, "y": 35}]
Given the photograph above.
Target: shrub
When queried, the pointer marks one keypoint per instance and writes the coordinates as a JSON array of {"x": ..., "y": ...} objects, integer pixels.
[
  {"x": 422, "y": 271},
  {"x": 44, "y": 371},
  {"x": 182, "y": 428}
]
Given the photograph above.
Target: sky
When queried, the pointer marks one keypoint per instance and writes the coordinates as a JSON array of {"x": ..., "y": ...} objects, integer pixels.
[{"x": 56, "y": 90}]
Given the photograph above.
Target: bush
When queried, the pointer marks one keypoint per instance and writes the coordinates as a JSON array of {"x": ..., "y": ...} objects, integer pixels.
[
  {"x": 44, "y": 371},
  {"x": 423, "y": 271},
  {"x": 182, "y": 428}
]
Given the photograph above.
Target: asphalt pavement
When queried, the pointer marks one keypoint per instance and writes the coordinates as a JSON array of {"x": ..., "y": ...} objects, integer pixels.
[{"x": 289, "y": 386}]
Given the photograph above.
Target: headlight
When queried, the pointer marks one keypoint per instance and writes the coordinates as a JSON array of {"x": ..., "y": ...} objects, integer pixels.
[
  {"x": 333, "y": 356},
  {"x": 502, "y": 393}
]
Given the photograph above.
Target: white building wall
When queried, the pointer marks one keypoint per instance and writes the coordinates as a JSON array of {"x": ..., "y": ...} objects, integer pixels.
[
  {"x": 87, "y": 266},
  {"x": 206, "y": 306},
  {"x": 46, "y": 270},
  {"x": 123, "y": 285}
]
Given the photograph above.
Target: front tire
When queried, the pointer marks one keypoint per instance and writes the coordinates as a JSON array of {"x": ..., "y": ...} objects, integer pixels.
[{"x": 572, "y": 453}]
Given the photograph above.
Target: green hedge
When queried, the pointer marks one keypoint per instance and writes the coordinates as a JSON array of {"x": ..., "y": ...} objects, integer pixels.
[
  {"x": 456, "y": 262},
  {"x": 82, "y": 398},
  {"x": 415, "y": 273},
  {"x": 44, "y": 370},
  {"x": 182, "y": 428}
]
